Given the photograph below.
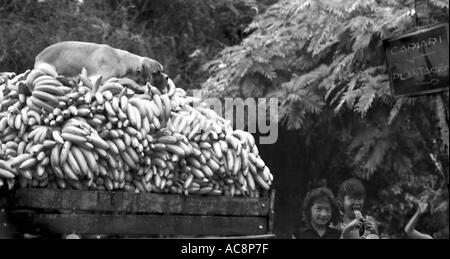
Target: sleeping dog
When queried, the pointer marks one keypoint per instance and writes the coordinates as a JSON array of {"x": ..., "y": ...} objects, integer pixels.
[{"x": 69, "y": 58}]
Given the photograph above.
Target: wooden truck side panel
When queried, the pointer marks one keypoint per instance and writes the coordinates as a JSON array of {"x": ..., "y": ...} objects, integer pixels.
[{"x": 43, "y": 211}]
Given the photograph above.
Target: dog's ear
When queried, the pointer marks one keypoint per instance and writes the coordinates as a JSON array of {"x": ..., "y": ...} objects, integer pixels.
[{"x": 144, "y": 71}]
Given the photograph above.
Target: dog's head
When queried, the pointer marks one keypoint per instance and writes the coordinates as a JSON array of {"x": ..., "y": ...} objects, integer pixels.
[
  {"x": 151, "y": 71},
  {"x": 147, "y": 68}
]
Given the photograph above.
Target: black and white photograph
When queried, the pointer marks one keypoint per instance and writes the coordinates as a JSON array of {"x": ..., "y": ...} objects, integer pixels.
[{"x": 239, "y": 122}]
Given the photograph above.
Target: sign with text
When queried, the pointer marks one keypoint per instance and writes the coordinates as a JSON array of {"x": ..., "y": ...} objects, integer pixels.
[{"x": 418, "y": 62}]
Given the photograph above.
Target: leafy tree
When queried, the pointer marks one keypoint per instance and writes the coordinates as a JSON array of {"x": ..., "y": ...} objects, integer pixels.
[
  {"x": 317, "y": 55},
  {"x": 324, "y": 61}
]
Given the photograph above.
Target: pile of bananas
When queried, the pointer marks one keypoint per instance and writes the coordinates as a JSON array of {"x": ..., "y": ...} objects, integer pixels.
[{"x": 57, "y": 132}]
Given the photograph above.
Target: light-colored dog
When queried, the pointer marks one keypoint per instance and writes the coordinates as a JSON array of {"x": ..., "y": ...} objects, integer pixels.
[{"x": 69, "y": 58}]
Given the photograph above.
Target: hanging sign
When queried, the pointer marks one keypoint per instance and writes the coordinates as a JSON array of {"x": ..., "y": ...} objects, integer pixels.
[{"x": 418, "y": 62}]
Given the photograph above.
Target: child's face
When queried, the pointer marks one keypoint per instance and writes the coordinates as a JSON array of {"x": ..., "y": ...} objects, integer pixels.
[
  {"x": 321, "y": 213},
  {"x": 351, "y": 204}
]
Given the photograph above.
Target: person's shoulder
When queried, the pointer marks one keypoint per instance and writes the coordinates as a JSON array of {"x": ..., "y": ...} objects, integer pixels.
[
  {"x": 302, "y": 230},
  {"x": 303, "y": 233},
  {"x": 334, "y": 232}
]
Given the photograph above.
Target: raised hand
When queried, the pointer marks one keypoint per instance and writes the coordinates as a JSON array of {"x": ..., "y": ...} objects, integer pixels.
[{"x": 422, "y": 207}]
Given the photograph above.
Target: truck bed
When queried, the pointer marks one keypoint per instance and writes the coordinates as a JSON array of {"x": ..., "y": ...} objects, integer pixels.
[{"x": 53, "y": 211}]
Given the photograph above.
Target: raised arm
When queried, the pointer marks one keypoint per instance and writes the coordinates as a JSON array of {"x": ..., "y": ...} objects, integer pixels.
[{"x": 410, "y": 228}]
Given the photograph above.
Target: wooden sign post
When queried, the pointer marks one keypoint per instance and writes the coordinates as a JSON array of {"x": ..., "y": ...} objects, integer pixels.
[{"x": 418, "y": 62}]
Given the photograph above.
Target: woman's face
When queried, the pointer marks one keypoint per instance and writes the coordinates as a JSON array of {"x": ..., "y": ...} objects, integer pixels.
[
  {"x": 321, "y": 213},
  {"x": 351, "y": 204}
]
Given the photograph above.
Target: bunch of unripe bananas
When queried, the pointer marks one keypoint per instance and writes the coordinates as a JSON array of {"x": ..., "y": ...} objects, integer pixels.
[{"x": 57, "y": 132}]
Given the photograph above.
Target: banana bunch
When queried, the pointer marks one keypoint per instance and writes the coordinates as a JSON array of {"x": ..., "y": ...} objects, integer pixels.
[{"x": 57, "y": 132}]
